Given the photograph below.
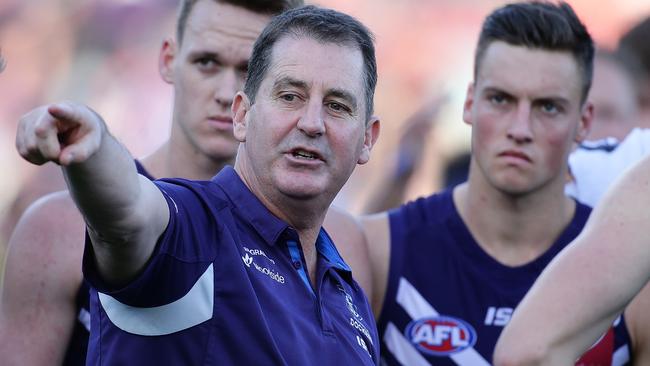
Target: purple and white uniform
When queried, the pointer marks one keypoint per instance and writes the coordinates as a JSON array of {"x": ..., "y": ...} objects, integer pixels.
[
  {"x": 447, "y": 300},
  {"x": 227, "y": 284}
]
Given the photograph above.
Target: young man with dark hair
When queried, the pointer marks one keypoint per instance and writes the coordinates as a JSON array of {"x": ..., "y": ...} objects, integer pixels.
[
  {"x": 235, "y": 270},
  {"x": 449, "y": 269},
  {"x": 44, "y": 309}
]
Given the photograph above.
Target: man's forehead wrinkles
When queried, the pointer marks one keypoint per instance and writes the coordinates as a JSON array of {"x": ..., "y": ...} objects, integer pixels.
[
  {"x": 285, "y": 80},
  {"x": 221, "y": 25},
  {"x": 238, "y": 34}
]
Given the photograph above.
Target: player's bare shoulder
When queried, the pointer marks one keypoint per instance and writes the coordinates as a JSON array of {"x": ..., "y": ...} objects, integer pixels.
[
  {"x": 52, "y": 222},
  {"x": 376, "y": 229},
  {"x": 347, "y": 234}
]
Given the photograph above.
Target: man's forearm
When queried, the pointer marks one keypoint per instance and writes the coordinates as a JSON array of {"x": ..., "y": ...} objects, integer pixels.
[
  {"x": 124, "y": 211},
  {"x": 105, "y": 187}
]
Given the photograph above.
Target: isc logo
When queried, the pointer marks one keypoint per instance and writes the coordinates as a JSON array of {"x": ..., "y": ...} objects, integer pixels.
[
  {"x": 498, "y": 316},
  {"x": 440, "y": 335}
]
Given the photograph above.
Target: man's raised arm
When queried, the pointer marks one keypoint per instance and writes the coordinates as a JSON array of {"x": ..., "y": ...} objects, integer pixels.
[{"x": 125, "y": 213}]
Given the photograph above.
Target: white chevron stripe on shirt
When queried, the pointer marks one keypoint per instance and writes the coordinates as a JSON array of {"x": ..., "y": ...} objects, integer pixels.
[{"x": 192, "y": 309}]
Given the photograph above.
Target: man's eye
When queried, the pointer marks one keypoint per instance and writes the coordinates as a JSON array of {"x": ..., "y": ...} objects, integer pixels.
[
  {"x": 498, "y": 99},
  {"x": 206, "y": 62},
  {"x": 338, "y": 107},
  {"x": 289, "y": 98},
  {"x": 549, "y": 107}
]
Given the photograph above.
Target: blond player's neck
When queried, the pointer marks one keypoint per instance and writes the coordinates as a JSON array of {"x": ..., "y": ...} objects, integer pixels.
[{"x": 167, "y": 162}]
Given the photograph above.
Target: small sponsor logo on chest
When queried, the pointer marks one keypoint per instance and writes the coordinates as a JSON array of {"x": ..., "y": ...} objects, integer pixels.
[
  {"x": 498, "y": 316},
  {"x": 258, "y": 252},
  {"x": 249, "y": 261}
]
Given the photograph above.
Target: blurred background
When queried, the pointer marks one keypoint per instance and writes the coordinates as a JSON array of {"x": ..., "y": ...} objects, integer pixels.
[{"x": 104, "y": 53}]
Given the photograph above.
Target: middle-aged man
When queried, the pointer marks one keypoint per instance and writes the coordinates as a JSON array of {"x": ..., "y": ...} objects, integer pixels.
[
  {"x": 236, "y": 270},
  {"x": 589, "y": 284},
  {"x": 449, "y": 269},
  {"x": 44, "y": 305}
]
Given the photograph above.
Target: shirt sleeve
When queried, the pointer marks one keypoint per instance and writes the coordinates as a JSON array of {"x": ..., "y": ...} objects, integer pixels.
[{"x": 180, "y": 256}]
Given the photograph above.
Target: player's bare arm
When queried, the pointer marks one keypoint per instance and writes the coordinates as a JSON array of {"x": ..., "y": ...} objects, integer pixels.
[
  {"x": 607, "y": 265},
  {"x": 637, "y": 316},
  {"x": 125, "y": 213}
]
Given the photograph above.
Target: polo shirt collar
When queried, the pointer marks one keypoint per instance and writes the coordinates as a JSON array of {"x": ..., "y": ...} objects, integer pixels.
[
  {"x": 267, "y": 225},
  {"x": 326, "y": 248}
]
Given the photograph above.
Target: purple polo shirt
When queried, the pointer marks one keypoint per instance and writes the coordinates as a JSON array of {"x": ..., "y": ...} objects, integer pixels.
[{"x": 227, "y": 285}]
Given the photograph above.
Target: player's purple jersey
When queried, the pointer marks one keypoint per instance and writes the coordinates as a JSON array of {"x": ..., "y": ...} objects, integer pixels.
[
  {"x": 227, "y": 285},
  {"x": 447, "y": 300}
]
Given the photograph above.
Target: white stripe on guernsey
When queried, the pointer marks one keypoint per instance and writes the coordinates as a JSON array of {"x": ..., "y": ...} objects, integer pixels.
[
  {"x": 192, "y": 309},
  {"x": 401, "y": 348},
  {"x": 84, "y": 318},
  {"x": 417, "y": 307},
  {"x": 621, "y": 356}
]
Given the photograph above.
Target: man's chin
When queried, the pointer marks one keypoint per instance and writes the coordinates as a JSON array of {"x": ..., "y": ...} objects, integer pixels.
[
  {"x": 515, "y": 189},
  {"x": 303, "y": 192}
]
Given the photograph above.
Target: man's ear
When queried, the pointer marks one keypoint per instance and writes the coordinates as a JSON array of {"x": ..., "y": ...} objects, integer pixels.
[
  {"x": 166, "y": 60},
  {"x": 370, "y": 138},
  {"x": 469, "y": 104},
  {"x": 586, "y": 118},
  {"x": 240, "y": 107}
]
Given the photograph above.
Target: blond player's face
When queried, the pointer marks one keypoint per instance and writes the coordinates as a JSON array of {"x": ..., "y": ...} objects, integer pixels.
[{"x": 207, "y": 69}]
